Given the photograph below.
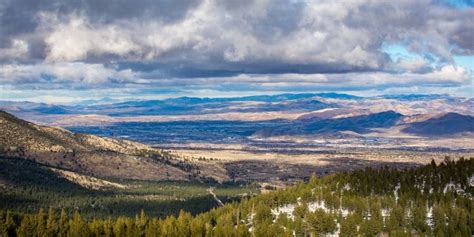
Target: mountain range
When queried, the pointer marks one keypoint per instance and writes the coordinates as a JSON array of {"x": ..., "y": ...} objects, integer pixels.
[
  {"x": 263, "y": 116},
  {"x": 406, "y": 104}
]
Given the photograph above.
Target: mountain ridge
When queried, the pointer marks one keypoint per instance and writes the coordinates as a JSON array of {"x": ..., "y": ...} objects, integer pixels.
[
  {"x": 89, "y": 154},
  {"x": 445, "y": 124}
]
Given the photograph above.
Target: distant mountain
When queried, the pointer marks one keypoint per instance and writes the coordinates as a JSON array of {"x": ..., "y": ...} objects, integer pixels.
[
  {"x": 285, "y": 97},
  {"x": 191, "y": 105},
  {"x": 447, "y": 124},
  {"x": 304, "y": 105},
  {"x": 87, "y": 154},
  {"x": 411, "y": 97},
  {"x": 359, "y": 124},
  {"x": 52, "y": 109}
]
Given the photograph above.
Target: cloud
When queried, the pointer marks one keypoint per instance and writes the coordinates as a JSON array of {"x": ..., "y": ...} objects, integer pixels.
[
  {"x": 17, "y": 50},
  {"x": 77, "y": 39},
  {"x": 233, "y": 45},
  {"x": 79, "y": 75},
  {"x": 73, "y": 74},
  {"x": 295, "y": 33}
]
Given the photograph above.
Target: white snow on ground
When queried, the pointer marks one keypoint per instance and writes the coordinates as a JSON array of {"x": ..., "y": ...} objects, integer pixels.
[
  {"x": 395, "y": 192},
  {"x": 347, "y": 187},
  {"x": 285, "y": 209},
  {"x": 385, "y": 212},
  {"x": 454, "y": 187},
  {"x": 429, "y": 217},
  {"x": 288, "y": 209}
]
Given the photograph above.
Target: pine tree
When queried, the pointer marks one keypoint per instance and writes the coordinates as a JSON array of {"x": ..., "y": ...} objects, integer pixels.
[
  {"x": 77, "y": 226},
  {"x": 141, "y": 222},
  {"x": 439, "y": 220},
  {"x": 40, "y": 223},
  {"x": 9, "y": 225},
  {"x": 51, "y": 224},
  {"x": 169, "y": 227},
  {"x": 198, "y": 227},
  {"x": 183, "y": 223},
  {"x": 108, "y": 228},
  {"x": 396, "y": 220},
  {"x": 131, "y": 227},
  {"x": 120, "y": 227},
  {"x": 301, "y": 210},
  {"x": 419, "y": 218},
  {"x": 263, "y": 213},
  {"x": 372, "y": 226},
  {"x": 349, "y": 225},
  {"x": 153, "y": 228},
  {"x": 320, "y": 222},
  {"x": 27, "y": 227},
  {"x": 63, "y": 224},
  {"x": 97, "y": 228}
]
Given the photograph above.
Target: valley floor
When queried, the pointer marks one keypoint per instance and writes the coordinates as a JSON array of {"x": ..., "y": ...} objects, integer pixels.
[{"x": 280, "y": 167}]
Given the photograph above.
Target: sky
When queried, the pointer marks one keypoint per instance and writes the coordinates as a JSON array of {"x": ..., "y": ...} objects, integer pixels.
[{"x": 67, "y": 51}]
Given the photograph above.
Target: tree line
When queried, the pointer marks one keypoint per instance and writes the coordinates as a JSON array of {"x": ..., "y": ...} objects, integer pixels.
[{"x": 433, "y": 200}]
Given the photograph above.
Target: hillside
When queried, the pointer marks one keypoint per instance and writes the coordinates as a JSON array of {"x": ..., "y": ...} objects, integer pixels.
[
  {"x": 27, "y": 186},
  {"x": 434, "y": 200},
  {"x": 29, "y": 136},
  {"x": 88, "y": 154},
  {"x": 313, "y": 125},
  {"x": 447, "y": 124}
]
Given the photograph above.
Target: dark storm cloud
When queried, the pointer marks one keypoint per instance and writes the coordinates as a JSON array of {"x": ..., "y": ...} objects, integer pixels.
[{"x": 19, "y": 18}]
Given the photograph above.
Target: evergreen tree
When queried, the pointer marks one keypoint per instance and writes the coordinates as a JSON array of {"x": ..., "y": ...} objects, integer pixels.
[
  {"x": 51, "y": 224},
  {"x": 419, "y": 218},
  {"x": 183, "y": 223},
  {"x": 9, "y": 226},
  {"x": 439, "y": 220},
  {"x": 141, "y": 222},
  {"x": 169, "y": 227},
  {"x": 263, "y": 214},
  {"x": 153, "y": 228},
  {"x": 27, "y": 227},
  {"x": 349, "y": 225},
  {"x": 40, "y": 223},
  {"x": 319, "y": 222},
  {"x": 396, "y": 220},
  {"x": 120, "y": 227},
  {"x": 77, "y": 226},
  {"x": 63, "y": 224}
]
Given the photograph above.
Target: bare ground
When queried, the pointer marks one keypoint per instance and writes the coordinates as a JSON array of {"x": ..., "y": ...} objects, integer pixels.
[{"x": 280, "y": 168}]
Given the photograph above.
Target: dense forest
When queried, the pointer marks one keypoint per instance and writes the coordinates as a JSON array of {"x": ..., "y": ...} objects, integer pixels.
[
  {"x": 433, "y": 200},
  {"x": 31, "y": 186}
]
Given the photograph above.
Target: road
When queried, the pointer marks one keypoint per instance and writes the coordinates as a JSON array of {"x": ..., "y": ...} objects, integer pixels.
[{"x": 211, "y": 191}]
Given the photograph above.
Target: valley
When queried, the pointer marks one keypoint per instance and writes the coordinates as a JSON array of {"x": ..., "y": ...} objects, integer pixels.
[
  {"x": 187, "y": 164},
  {"x": 277, "y": 139}
]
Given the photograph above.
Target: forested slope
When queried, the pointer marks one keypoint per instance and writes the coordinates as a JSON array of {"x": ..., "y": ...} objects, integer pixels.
[{"x": 430, "y": 200}]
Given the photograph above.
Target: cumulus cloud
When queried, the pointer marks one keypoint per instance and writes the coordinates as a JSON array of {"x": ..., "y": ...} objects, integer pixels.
[
  {"x": 17, "y": 50},
  {"x": 233, "y": 44}
]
